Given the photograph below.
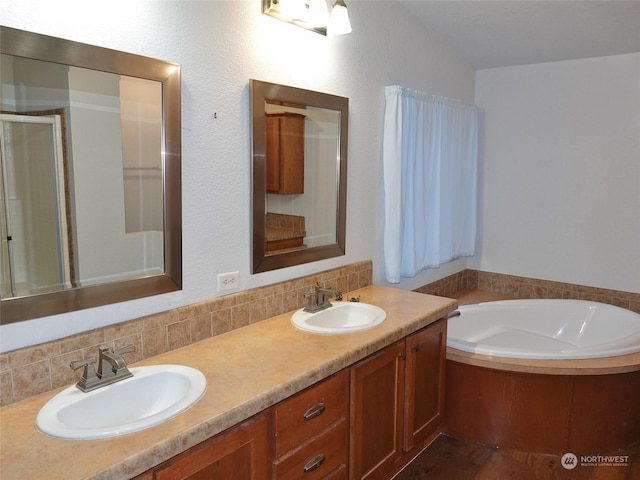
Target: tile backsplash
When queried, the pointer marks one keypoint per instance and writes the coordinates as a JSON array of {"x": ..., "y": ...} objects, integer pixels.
[
  {"x": 525, "y": 287},
  {"x": 36, "y": 369}
]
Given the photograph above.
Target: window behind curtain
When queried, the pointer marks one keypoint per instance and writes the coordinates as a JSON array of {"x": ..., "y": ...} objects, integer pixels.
[{"x": 429, "y": 172}]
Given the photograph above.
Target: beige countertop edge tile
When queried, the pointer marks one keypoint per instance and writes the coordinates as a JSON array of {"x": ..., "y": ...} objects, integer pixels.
[{"x": 248, "y": 370}]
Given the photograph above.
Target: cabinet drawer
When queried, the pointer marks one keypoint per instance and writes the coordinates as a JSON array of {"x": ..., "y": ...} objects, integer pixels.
[
  {"x": 340, "y": 473},
  {"x": 306, "y": 414},
  {"x": 318, "y": 458}
]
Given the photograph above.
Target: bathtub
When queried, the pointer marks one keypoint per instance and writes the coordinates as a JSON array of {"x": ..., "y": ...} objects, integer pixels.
[
  {"x": 546, "y": 376},
  {"x": 545, "y": 329}
]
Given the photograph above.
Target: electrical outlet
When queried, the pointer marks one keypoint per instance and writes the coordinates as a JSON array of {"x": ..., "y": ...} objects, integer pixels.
[{"x": 228, "y": 281}]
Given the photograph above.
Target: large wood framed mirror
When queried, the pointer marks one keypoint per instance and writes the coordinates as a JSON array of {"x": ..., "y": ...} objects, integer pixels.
[
  {"x": 299, "y": 175},
  {"x": 90, "y": 190}
]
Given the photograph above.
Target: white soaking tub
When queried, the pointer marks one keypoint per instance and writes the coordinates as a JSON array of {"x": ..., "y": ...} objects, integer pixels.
[{"x": 546, "y": 329}]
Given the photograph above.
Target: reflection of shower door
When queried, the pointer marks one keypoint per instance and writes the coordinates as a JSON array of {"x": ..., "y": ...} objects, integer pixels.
[{"x": 33, "y": 222}]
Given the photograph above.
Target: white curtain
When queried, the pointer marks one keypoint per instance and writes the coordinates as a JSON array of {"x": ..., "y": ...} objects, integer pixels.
[{"x": 429, "y": 172}]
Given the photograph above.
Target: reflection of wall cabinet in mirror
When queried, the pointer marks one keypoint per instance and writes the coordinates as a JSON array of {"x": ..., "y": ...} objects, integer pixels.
[
  {"x": 315, "y": 125},
  {"x": 285, "y": 153}
]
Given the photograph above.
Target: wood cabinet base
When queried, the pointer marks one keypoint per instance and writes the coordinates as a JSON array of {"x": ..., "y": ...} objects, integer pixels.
[
  {"x": 556, "y": 414},
  {"x": 240, "y": 453},
  {"x": 397, "y": 400}
]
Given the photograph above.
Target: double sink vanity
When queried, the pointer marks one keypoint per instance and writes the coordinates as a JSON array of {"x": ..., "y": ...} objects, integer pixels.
[
  {"x": 279, "y": 402},
  {"x": 352, "y": 391}
]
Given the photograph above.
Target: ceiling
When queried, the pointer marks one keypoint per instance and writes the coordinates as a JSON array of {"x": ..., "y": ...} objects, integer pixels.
[{"x": 492, "y": 33}]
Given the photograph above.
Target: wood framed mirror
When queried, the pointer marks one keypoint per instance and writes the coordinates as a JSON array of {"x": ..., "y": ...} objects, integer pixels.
[
  {"x": 117, "y": 229},
  {"x": 299, "y": 169}
]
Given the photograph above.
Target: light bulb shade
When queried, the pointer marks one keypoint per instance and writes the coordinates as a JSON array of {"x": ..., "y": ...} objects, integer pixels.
[
  {"x": 318, "y": 15},
  {"x": 294, "y": 9},
  {"x": 339, "y": 24}
]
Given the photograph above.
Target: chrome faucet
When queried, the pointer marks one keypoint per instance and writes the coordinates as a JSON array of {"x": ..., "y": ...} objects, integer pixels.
[
  {"x": 111, "y": 368},
  {"x": 319, "y": 298}
]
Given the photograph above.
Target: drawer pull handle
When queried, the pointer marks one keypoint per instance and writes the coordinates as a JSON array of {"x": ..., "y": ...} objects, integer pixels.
[
  {"x": 314, "y": 463},
  {"x": 314, "y": 411}
]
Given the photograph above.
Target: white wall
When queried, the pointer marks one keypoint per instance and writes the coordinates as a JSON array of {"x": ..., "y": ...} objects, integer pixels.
[
  {"x": 220, "y": 46},
  {"x": 562, "y": 171}
]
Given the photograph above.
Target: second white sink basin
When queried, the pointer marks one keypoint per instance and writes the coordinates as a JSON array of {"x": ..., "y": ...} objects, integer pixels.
[
  {"x": 154, "y": 394},
  {"x": 342, "y": 317}
]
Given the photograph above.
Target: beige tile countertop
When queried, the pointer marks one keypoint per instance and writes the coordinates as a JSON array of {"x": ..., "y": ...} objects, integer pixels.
[{"x": 248, "y": 370}]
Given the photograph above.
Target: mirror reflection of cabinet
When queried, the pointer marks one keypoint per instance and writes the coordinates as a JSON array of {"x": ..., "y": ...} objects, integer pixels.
[
  {"x": 285, "y": 153},
  {"x": 323, "y": 204}
]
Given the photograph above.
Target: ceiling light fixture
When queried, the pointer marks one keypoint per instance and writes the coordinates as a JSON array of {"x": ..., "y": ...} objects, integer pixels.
[
  {"x": 310, "y": 14},
  {"x": 339, "y": 24}
]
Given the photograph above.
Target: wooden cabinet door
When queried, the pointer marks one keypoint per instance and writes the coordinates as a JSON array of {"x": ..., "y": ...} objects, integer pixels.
[
  {"x": 238, "y": 454},
  {"x": 424, "y": 386},
  {"x": 272, "y": 154},
  {"x": 285, "y": 153},
  {"x": 292, "y": 154},
  {"x": 377, "y": 387}
]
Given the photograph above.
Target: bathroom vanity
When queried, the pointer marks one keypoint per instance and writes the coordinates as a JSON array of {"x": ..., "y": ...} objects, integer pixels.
[
  {"x": 396, "y": 404},
  {"x": 280, "y": 402}
]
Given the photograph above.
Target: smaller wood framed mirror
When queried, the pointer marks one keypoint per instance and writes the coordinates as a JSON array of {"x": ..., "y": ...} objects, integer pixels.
[{"x": 299, "y": 167}]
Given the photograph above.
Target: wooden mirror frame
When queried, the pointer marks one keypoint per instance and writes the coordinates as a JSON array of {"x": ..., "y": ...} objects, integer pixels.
[
  {"x": 261, "y": 91},
  {"x": 50, "y": 49}
]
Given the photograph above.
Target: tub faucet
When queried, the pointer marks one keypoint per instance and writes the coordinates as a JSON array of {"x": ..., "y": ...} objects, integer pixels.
[
  {"x": 111, "y": 368},
  {"x": 319, "y": 298}
]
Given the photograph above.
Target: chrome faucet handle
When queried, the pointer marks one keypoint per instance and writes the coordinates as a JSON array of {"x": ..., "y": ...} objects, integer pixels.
[
  {"x": 89, "y": 377},
  {"x": 328, "y": 291},
  {"x": 87, "y": 363},
  {"x": 126, "y": 349}
]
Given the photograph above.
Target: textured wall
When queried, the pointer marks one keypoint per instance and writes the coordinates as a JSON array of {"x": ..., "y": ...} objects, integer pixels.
[
  {"x": 562, "y": 171},
  {"x": 220, "y": 46}
]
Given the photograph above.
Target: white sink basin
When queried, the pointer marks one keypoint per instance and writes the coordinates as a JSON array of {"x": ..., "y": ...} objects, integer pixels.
[
  {"x": 154, "y": 394},
  {"x": 342, "y": 317}
]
